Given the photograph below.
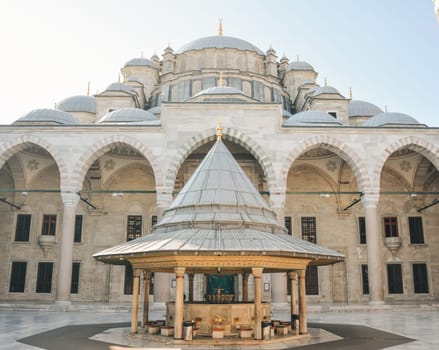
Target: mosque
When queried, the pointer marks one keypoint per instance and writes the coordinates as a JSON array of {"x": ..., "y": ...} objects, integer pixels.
[{"x": 98, "y": 171}]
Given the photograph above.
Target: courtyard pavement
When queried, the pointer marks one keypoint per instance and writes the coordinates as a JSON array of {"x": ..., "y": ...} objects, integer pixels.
[{"x": 396, "y": 328}]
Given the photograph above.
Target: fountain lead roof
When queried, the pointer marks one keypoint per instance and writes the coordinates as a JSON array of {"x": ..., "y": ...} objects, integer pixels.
[{"x": 219, "y": 211}]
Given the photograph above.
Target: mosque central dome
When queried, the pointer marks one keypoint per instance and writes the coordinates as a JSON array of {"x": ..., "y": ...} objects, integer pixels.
[{"x": 219, "y": 42}]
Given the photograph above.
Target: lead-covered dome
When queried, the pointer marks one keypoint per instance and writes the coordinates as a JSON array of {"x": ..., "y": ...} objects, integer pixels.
[
  {"x": 120, "y": 87},
  {"x": 219, "y": 42},
  {"x": 299, "y": 65},
  {"x": 140, "y": 62},
  {"x": 325, "y": 90},
  {"x": 359, "y": 108},
  {"x": 392, "y": 119},
  {"x": 46, "y": 116},
  {"x": 127, "y": 115},
  {"x": 313, "y": 118},
  {"x": 79, "y": 103}
]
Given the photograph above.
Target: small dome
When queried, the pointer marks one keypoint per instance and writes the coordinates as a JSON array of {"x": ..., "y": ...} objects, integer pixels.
[
  {"x": 79, "y": 103},
  {"x": 325, "y": 90},
  {"x": 299, "y": 65},
  {"x": 49, "y": 116},
  {"x": 120, "y": 87},
  {"x": 359, "y": 108},
  {"x": 140, "y": 62},
  {"x": 219, "y": 42},
  {"x": 127, "y": 115},
  {"x": 312, "y": 117},
  {"x": 392, "y": 119}
]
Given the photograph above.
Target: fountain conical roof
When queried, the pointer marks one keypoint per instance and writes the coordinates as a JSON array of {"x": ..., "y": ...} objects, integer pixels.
[
  {"x": 218, "y": 212},
  {"x": 219, "y": 195}
]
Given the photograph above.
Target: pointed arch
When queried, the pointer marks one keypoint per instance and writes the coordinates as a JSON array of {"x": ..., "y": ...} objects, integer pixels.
[
  {"x": 103, "y": 146},
  {"x": 228, "y": 134},
  {"x": 413, "y": 143},
  {"x": 334, "y": 145},
  {"x": 8, "y": 149}
]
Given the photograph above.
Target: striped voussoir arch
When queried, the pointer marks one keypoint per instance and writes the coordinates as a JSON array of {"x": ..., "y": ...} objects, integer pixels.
[
  {"x": 230, "y": 134},
  {"x": 334, "y": 145},
  {"x": 105, "y": 145},
  {"x": 9, "y": 148},
  {"x": 416, "y": 144}
]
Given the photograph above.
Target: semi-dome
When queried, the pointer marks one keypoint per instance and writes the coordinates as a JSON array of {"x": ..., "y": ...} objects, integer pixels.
[
  {"x": 299, "y": 65},
  {"x": 47, "y": 116},
  {"x": 359, "y": 108},
  {"x": 79, "y": 103},
  {"x": 127, "y": 115},
  {"x": 392, "y": 119},
  {"x": 325, "y": 90},
  {"x": 140, "y": 62},
  {"x": 120, "y": 87},
  {"x": 219, "y": 42},
  {"x": 312, "y": 117}
]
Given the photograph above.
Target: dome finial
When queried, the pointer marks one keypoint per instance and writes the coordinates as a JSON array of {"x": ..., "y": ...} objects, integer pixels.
[
  {"x": 385, "y": 109},
  {"x": 88, "y": 88},
  {"x": 220, "y": 27},
  {"x": 219, "y": 130},
  {"x": 298, "y": 57},
  {"x": 350, "y": 92},
  {"x": 141, "y": 54},
  {"x": 326, "y": 81}
]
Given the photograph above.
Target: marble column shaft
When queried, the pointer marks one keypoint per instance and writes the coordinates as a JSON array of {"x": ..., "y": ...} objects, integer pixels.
[
  {"x": 257, "y": 275},
  {"x": 162, "y": 280},
  {"x": 64, "y": 277},
  {"x": 303, "y": 327},
  {"x": 279, "y": 290},
  {"x": 179, "y": 302},
  {"x": 374, "y": 249},
  {"x": 146, "y": 284},
  {"x": 293, "y": 283},
  {"x": 135, "y": 304}
]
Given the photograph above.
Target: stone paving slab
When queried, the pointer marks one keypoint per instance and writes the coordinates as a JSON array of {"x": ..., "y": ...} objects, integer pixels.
[{"x": 84, "y": 337}]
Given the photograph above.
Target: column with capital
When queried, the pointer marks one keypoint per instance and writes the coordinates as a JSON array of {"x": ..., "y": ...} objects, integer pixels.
[
  {"x": 374, "y": 248},
  {"x": 303, "y": 327},
  {"x": 293, "y": 283},
  {"x": 135, "y": 305},
  {"x": 146, "y": 284},
  {"x": 64, "y": 277},
  {"x": 279, "y": 291},
  {"x": 257, "y": 275},
  {"x": 179, "y": 302},
  {"x": 162, "y": 280}
]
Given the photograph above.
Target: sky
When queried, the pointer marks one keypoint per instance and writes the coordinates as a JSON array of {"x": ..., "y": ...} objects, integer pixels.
[{"x": 386, "y": 50}]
